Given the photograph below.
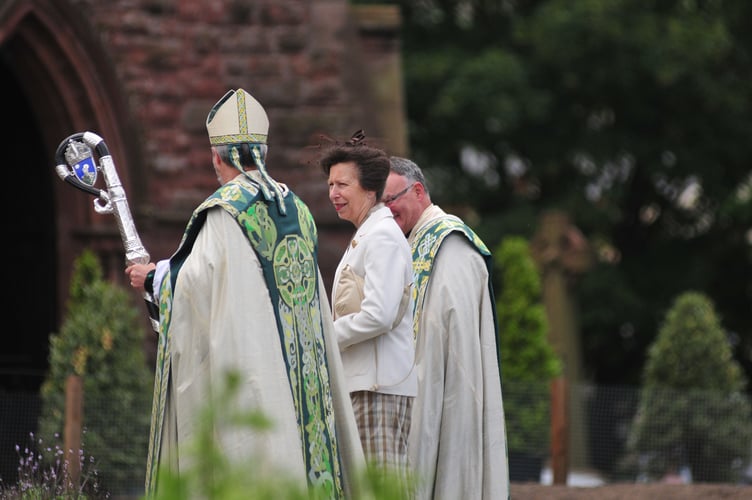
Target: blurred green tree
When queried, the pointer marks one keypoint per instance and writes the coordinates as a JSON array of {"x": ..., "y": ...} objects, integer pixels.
[
  {"x": 101, "y": 340},
  {"x": 692, "y": 409},
  {"x": 528, "y": 361},
  {"x": 631, "y": 116}
]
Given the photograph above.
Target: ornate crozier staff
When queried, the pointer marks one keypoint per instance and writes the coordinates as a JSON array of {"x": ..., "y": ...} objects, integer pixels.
[{"x": 77, "y": 166}]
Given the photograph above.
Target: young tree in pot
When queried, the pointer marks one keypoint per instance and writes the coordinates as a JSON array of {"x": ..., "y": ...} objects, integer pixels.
[
  {"x": 528, "y": 361},
  {"x": 692, "y": 410}
]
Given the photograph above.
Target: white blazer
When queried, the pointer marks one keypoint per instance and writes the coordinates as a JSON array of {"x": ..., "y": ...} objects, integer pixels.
[{"x": 377, "y": 356}]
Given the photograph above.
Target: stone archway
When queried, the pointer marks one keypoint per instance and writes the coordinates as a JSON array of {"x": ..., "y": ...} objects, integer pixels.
[{"x": 55, "y": 82}]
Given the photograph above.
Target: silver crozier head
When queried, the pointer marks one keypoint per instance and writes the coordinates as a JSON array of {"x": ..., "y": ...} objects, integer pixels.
[{"x": 79, "y": 157}]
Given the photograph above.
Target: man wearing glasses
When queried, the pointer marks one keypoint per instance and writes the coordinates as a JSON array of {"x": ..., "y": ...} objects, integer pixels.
[{"x": 457, "y": 442}]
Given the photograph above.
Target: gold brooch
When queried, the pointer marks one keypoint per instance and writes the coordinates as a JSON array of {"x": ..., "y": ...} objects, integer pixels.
[{"x": 353, "y": 243}]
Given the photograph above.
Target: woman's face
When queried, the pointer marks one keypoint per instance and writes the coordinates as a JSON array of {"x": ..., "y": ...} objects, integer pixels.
[{"x": 348, "y": 197}]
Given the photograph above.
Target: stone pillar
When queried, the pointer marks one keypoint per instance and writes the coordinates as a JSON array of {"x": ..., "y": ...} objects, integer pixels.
[
  {"x": 379, "y": 26},
  {"x": 562, "y": 253}
]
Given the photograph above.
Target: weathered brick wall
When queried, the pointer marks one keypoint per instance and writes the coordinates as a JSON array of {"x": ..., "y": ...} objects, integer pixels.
[{"x": 305, "y": 61}]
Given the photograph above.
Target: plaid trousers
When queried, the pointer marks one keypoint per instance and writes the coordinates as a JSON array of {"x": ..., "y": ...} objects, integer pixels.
[{"x": 383, "y": 424}]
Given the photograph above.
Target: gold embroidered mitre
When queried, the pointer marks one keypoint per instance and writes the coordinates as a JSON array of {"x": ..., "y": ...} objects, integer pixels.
[{"x": 237, "y": 118}]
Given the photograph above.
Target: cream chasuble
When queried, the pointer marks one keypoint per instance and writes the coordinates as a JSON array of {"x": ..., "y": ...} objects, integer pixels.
[
  {"x": 261, "y": 311},
  {"x": 457, "y": 443}
]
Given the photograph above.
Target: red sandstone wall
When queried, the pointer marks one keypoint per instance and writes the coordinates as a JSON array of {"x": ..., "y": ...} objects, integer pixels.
[{"x": 312, "y": 64}]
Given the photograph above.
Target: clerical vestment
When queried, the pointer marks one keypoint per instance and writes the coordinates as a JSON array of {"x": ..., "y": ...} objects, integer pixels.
[
  {"x": 243, "y": 294},
  {"x": 457, "y": 443}
]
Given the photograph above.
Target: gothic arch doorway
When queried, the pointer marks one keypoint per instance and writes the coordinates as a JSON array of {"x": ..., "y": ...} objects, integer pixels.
[
  {"x": 54, "y": 81},
  {"x": 30, "y": 244}
]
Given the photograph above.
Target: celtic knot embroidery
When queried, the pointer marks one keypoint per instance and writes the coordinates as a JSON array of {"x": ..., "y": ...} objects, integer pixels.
[
  {"x": 294, "y": 271},
  {"x": 261, "y": 229}
]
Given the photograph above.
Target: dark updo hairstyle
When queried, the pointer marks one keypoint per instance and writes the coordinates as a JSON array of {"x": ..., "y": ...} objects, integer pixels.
[{"x": 372, "y": 163}]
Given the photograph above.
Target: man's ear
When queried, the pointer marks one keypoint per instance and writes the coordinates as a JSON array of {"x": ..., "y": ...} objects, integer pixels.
[{"x": 215, "y": 157}]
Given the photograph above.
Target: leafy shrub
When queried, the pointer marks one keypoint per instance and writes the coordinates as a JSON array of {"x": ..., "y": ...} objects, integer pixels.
[
  {"x": 528, "y": 362},
  {"x": 101, "y": 341},
  {"x": 691, "y": 410}
]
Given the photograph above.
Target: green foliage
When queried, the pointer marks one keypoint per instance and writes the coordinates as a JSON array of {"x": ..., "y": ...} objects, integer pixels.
[
  {"x": 613, "y": 111},
  {"x": 526, "y": 354},
  {"x": 212, "y": 474},
  {"x": 691, "y": 350},
  {"x": 692, "y": 410},
  {"x": 101, "y": 341},
  {"x": 528, "y": 362}
]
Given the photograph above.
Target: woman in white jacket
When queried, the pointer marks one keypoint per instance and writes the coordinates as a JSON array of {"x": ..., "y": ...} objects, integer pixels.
[{"x": 372, "y": 303}]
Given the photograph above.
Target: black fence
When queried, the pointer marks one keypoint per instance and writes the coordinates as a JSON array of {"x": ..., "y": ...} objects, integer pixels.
[
  {"x": 24, "y": 451},
  {"x": 600, "y": 419}
]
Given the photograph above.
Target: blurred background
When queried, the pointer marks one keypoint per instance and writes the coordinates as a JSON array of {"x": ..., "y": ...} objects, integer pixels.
[{"x": 611, "y": 135}]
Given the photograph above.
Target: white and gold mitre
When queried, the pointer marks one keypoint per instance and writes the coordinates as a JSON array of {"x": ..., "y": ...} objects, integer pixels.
[{"x": 237, "y": 118}]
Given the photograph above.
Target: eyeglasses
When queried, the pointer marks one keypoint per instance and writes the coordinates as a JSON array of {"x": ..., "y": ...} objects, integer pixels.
[{"x": 392, "y": 199}]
